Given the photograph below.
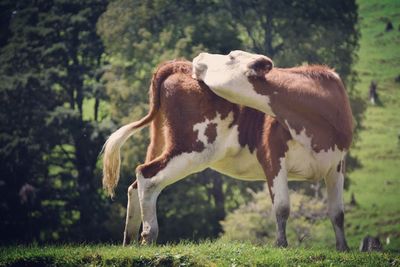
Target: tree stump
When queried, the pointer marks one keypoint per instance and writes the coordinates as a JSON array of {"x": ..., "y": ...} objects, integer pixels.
[{"x": 370, "y": 243}]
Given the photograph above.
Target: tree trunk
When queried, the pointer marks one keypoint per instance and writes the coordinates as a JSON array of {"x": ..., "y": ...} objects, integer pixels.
[
  {"x": 269, "y": 51},
  {"x": 219, "y": 199},
  {"x": 96, "y": 108}
]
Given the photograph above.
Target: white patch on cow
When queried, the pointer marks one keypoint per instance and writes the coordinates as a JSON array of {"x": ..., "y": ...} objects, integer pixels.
[
  {"x": 329, "y": 159},
  {"x": 179, "y": 167},
  {"x": 227, "y": 76},
  {"x": 239, "y": 162},
  {"x": 302, "y": 137},
  {"x": 304, "y": 163},
  {"x": 201, "y": 131},
  {"x": 228, "y": 156},
  {"x": 201, "y": 127},
  {"x": 300, "y": 162},
  {"x": 280, "y": 187}
]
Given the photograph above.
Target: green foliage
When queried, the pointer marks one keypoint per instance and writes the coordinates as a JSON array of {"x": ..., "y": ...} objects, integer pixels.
[
  {"x": 255, "y": 220},
  {"x": 24, "y": 137},
  {"x": 188, "y": 254},
  {"x": 50, "y": 61}
]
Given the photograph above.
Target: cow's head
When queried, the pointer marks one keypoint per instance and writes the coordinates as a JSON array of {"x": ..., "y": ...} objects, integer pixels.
[{"x": 229, "y": 76}]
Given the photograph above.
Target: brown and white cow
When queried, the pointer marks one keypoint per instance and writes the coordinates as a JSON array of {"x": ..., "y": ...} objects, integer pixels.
[
  {"x": 311, "y": 105},
  {"x": 192, "y": 129}
]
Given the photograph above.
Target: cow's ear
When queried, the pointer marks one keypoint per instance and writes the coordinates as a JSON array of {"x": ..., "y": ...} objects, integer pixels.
[{"x": 260, "y": 67}]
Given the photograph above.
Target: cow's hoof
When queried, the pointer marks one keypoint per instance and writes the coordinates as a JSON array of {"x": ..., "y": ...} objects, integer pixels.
[
  {"x": 126, "y": 242},
  {"x": 149, "y": 238}
]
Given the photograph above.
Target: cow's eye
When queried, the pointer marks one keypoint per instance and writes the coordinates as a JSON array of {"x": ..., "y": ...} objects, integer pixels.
[{"x": 231, "y": 58}]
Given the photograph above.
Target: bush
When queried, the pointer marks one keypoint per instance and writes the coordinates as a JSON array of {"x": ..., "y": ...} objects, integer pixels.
[{"x": 255, "y": 220}]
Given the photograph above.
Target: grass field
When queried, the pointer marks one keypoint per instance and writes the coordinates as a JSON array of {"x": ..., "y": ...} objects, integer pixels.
[
  {"x": 376, "y": 185},
  {"x": 188, "y": 254}
]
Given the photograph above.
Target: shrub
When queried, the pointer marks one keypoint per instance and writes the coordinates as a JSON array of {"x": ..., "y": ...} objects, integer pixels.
[{"x": 255, "y": 220}]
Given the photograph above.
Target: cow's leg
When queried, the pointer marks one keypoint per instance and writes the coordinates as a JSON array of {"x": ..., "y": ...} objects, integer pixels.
[
  {"x": 133, "y": 213},
  {"x": 280, "y": 197},
  {"x": 334, "y": 185},
  {"x": 133, "y": 216},
  {"x": 272, "y": 157},
  {"x": 148, "y": 194},
  {"x": 154, "y": 176}
]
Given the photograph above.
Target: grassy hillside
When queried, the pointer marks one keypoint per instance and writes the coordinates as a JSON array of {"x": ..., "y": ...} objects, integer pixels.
[{"x": 377, "y": 184}]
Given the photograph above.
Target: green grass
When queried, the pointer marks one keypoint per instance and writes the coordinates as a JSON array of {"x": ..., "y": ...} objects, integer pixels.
[
  {"x": 188, "y": 254},
  {"x": 376, "y": 184}
]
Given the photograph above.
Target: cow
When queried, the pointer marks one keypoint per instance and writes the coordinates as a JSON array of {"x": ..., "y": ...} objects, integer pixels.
[
  {"x": 310, "y": 105},
  {"x": 191, "y": 128}
]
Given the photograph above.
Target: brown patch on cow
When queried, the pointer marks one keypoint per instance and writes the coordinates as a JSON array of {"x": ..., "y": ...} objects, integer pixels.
[
  {"x": 250, "y": 126},
  {"x": 157, "y": 138},
  {"x": 211, "y": 132},
  {"x": 310, "y": 98},
  {"x": 273, "y": 148},
  {"x": 150, "y": 169}
]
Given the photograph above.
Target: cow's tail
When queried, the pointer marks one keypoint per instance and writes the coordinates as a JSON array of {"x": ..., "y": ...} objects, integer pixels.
[{"x": 112, "y": 147}]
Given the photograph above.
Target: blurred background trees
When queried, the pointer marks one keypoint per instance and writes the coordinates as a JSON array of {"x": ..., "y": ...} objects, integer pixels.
[
  {"x": 51, "y": 134},
  {"x": 72, "y": 72}
]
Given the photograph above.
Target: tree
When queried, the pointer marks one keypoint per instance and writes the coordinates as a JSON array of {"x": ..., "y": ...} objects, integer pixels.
[
  {"x": 51, "y": 65},
  {"x": 296, "y": 32},
  {"x": 25, "y": 102}
]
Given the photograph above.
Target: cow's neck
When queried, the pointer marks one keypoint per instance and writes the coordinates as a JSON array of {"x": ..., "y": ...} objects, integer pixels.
[{"x": 310, "y": 112}]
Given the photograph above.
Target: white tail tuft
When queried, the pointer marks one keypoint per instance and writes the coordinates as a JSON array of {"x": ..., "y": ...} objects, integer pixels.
[
  {"x": 112, "y": 147},
  {"x": 111, "y": 157}
]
